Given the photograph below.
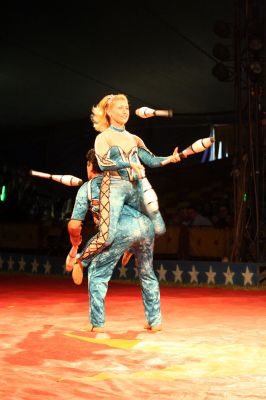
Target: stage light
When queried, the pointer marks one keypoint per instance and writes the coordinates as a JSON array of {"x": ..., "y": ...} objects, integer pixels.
[
  {"x": 221, "y": 72},
  {"x": 221, "y": 52},
  {"x": 255, "y": 67}
]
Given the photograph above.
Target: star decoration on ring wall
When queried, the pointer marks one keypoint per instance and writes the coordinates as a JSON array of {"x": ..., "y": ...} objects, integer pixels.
[
  {"x": 35, "y": 266},
  {"x": 47, "y": 267},
  {"x": 123, "y": 271},
  {"x": 247, "y": 275},
  {"x": 211, "y": 275},
  {"x": 177, "y": 274},
  {"x": 10, "y": 264},
  {"x": 162, "y": 273},
  {"x": 229, "y": 276},
  {"x": 21, "y": 264},
  {"x": 193, "y": 274}
]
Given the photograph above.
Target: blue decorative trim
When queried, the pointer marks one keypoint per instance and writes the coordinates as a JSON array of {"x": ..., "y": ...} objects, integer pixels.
[
  {"x": 178, "y": 272},
  {"x": 117, "y": 129}
]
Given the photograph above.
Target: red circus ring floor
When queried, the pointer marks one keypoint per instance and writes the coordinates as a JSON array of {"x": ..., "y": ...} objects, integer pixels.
[{"x": 212, "y": 345}]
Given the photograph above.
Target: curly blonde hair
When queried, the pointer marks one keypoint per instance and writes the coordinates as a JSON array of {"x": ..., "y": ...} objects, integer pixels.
[{"x": 99, "y": 117}]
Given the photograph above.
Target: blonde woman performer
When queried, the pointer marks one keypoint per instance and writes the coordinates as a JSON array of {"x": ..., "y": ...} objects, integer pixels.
[{"x": 120, "y": 155}]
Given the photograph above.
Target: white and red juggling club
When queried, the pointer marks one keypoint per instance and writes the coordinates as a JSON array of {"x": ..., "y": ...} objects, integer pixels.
[
  {"x": 196, "y": 147},
  {"x": 149, "y": 196},
  {"x": 68, "y": 180},
  {"x": 146, "y": 112}
]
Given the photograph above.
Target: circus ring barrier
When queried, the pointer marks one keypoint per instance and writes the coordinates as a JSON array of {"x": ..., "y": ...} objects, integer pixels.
[{"x": 194, "y": 256}]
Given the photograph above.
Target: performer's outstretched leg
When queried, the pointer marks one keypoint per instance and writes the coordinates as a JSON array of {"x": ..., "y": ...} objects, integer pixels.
[{"x": 114, "y": 194}]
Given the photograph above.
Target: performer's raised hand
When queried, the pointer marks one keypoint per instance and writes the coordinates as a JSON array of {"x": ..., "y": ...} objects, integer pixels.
[{"x": 175, "y": 156}]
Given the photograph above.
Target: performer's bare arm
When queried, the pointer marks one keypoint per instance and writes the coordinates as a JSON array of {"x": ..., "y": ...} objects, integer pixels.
[{"x": 74, "y": 230}]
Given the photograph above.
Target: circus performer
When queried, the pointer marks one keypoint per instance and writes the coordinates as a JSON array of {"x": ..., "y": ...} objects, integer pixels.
[
  {"x": 135, "y": 231},
  {"x": 120, "y": 155}
]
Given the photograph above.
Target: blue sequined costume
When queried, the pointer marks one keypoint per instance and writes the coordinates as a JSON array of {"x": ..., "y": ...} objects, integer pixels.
[
  {"x": 120, "y": 185},
  {"x": 135, "y": 231}
]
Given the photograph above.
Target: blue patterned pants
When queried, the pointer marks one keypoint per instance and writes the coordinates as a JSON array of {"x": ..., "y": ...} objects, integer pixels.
[{"x": 137, "y": 233}]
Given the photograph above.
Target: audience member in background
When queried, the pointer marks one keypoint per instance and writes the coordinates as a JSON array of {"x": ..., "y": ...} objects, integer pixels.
[
  {"x": 195, "y": 218},
  {"x": 177, "y": 218},
  {"x": 223, "y": 219}
]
